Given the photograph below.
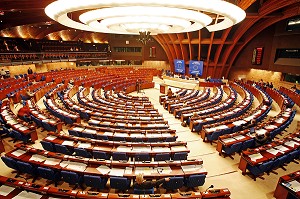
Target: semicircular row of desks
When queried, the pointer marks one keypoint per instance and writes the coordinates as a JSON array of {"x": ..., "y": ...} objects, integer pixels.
[
  {"x": 86, "y": 146},
  {"x": 269, "y": 157},
  {"x": 243, "y": 139},
  {"x": 12, "y": 188},
  {"x": 73, "y": 169},
  {"x": 225, "y": 129}
]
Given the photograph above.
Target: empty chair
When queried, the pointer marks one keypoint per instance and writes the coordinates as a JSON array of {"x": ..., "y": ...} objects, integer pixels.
[
  {"x": 119, "y": 183},
  {"x": 71, "y": 177},
  {"x": 120, "y": 139},
  {"x": 101, "y": 137},
  {"x": 18, "y": 136},
  {"x": 247, "y": 144},
  {"x": 153, "y": 139},
  {"x": 48, "y": 174},
  {"x": 82, "y": 152},
  {"x": 174, "y": 183},
  {"x": 68, "y": 120},
  {"x": 143, "y": 191},
  {"x": 136, "y": 139},
  {"x": 226, "y": 131},
  {"x": 180, "y": 156},
  {"x": 94, "y": 181},
  {"x": 87, "y": 135},
  {"x": 5, "y": 131},
  {"x": 236, "y": 128},
  {"x": 84, "y": 115},
  {"x": 11, "y": 163},
  {"x": 63, "y": 149},
  {"x": 259, "y": 170},
  {"x": 292, "y": 156},
  {"x": 142, "y": 157},
  {"x": 119, "y": 156},
  {"x": 171, "y": 139},
  {"x": 74, "y": 133},
  {"x": 162, "y": 157},
  {"x": 48, "y": 127},
  {"x": 47, "y": 146},
  {"x": 25, "y": 167},
  {"x": 37, "y": 121},
  {"x": 101, "y": 155},
  {"x": 194, "y": 180},
  {"x": 232, "y": 149},
  {"x": 213, "y": 136}
]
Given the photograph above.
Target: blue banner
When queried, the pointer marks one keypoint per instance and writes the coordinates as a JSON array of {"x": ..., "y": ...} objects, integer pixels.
[
  {"x": 179, "y": 66},
  {"x": 196, "y": 67}
]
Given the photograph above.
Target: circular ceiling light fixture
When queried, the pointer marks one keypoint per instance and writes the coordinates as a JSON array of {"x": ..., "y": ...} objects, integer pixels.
[{"x": 155, "y": 16}]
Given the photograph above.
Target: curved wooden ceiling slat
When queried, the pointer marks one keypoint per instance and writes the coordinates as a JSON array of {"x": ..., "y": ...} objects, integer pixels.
[
  {"x": 259, "y": 27},
  {"x": 249, "y": 23}
]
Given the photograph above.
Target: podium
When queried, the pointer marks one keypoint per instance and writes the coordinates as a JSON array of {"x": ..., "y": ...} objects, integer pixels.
[{"x": 163, "y": 88}]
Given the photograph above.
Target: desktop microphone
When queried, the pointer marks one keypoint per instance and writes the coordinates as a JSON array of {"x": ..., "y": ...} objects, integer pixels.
[{"x": 211, "y": 186}]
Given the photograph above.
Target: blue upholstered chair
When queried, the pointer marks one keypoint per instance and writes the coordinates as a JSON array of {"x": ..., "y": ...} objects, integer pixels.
[
  {"x": 162, "y": 157},
  {"x": 88, "y": 135},
  {"x": 82, "y": 152},
  {"x": 37, "y": 121},
  {"x": 101, "y": 155},
  {"x": 94, "y": 181},
  {"x": 247, "y": 144},
  {"x": 153, "y": 139},
  {"x": 232, "y": 149},
  {"x": 142, "y": 157},
  {"x": 119, "y": 156},
  {"x": 47, "y": 146},
  {"x": 11, "y": 163},
  {"x": 213, "y": 136},
  {"x": 101, "y": 137},
  {"x": 49, "y": 127},
  {"x": 71, "y": 177},
  {"x": 259, "y": 170},
  {"x": 62, "y": 149},
  {"x": 174, "y": 183},
  {"x": 48, "y": 174},
  {"x": 119, "y": 183},
  {"x": 180, "y": 156},
  {"x": 25, "y": 167},
  {"x": 171, "y": 139},
  {"x": 143, "y": 191},
  {"x": 194, "y": 180},
  {"x": 21, "y": 137},
  {"x": 74, "y": 133},
  {"x": 119, "y": 139}
]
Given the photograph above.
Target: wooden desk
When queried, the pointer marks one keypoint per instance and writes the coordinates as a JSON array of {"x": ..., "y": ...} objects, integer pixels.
[
  {"x": 163, "y": 88},
  {"x": 284, "y": 188}
]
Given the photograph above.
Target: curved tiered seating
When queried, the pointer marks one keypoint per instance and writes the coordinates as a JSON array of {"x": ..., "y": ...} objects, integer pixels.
[
  {"x": 20, "y": 188},
  {"x": 246, "y": 140},
  {"x": 20, "y": 130},
  {"x": 188, "y": 112},
  {"x": 103, "y": 168},
  {"x": 269, "y": 157}
]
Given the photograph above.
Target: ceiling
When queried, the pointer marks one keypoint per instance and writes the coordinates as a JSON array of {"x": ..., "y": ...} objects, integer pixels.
[{"x": 26, "y": 19}]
